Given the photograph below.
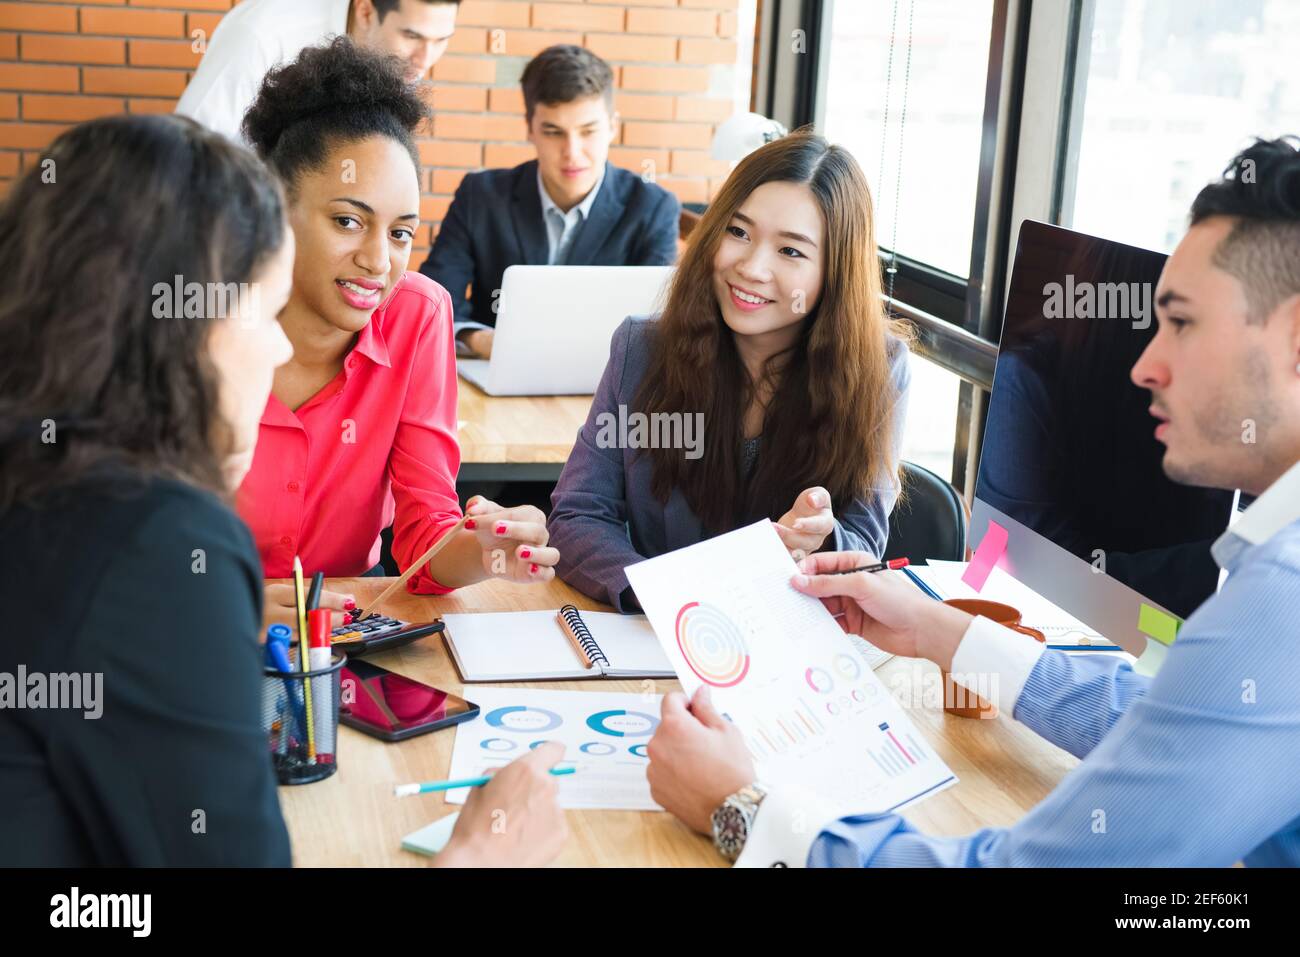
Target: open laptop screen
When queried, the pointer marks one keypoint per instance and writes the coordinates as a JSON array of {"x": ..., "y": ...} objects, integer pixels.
[{"x": 1069, "y": 447}]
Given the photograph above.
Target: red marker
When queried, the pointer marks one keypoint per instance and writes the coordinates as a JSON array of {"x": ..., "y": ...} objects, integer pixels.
[
  {"x": 322, "y": 688},
  {"x": 892, "y": 565}
]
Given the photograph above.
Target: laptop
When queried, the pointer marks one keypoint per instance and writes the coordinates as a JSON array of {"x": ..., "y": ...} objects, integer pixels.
[{"x": 554, "y": 324}]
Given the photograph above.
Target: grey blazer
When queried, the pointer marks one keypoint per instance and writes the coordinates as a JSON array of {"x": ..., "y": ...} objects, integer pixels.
[{"x": 604, "y": 516}]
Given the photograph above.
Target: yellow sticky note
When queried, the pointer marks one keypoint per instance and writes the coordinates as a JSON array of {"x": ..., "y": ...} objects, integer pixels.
[{"x": 1160, "y": 625}]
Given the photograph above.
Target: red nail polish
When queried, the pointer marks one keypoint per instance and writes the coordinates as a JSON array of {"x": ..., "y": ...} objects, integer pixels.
[
  {"x": 349, "y": 604},
  {"x": 532, "y": 569},
  {"x": 470, "y": 524},
  {"x": 501, "y": 528},
  {"x": 525, "y": 553}
]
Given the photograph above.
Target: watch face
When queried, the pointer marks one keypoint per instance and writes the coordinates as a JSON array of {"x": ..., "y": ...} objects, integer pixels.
[{"x": 730, "y": 830}]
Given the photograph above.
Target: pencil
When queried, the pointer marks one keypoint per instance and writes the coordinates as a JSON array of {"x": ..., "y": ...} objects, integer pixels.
[
  {"x": 404, "y": 790},
  {"x": 300, "y": 603},
  {"x": 416, "y": 565}
]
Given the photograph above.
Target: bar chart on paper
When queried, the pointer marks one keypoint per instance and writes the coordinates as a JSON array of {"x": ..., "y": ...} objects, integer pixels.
[{"x": 810, "y": 706}]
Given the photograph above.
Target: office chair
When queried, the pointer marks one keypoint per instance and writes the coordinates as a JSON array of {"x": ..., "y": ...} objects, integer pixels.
[{"x": 930, "y": 521}]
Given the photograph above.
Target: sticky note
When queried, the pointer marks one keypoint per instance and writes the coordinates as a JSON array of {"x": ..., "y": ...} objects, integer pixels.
[
  {"x": 1151, "y": 659},
  {"x": 986, "y": 556},
  {"x": 432, "y": 839},
  {"x": 1160, "y": 625}
]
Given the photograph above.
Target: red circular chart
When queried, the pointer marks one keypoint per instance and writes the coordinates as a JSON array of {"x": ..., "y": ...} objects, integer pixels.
[{"x": 712, "y": 645}]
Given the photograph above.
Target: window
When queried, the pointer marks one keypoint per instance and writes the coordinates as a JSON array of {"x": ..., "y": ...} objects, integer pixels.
[
  {"x": 925, "y": 197},
  {"x": 1171, "y": 89},
  {"x": 932, "y": 408}
]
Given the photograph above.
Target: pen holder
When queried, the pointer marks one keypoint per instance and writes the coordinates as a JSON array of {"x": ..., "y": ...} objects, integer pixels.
[
  {"x": 302, "y": 750},
  {"x": 959, "y": 701}
]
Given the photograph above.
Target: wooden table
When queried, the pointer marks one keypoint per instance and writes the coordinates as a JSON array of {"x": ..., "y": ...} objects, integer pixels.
[
  {"x": 516, "y": 438},
  {"x": 353, "y": 819}
]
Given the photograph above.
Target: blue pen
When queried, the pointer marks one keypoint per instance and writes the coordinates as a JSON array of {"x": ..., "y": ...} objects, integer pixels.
[
  {"x": 403, "y": 790},
  {"x": 278, "y": 638},
  {"x": 920, "y": 584}
]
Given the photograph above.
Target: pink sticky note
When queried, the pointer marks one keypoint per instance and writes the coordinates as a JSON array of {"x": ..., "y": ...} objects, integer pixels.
[{"x": 986, "y": 556}]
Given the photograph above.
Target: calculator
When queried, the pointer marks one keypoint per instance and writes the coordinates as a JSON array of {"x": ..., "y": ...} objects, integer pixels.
[{"x": 379, "y": 633}]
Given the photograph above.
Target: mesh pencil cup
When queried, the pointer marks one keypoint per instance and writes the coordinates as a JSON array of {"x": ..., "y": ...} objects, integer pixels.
[{"x": 300, "y": 718}]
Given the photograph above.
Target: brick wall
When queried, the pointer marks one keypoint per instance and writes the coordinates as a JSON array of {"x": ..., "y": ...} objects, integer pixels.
[{"x": 678, "y": 66}]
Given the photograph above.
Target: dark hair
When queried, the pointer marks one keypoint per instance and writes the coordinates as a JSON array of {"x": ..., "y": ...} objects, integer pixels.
[
  {"x": 1260, "y": 189},
  {"x": 385, "y": 7},
  {"x": 564, "y": 73},
  {"x": 332, "y": 94},
  {"x": 115, "y": 206},
  {"x": 830, "y": 419}
]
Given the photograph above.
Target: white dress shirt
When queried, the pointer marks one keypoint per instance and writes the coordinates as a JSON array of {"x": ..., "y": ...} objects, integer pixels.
[{"x": 251, "y": 39}]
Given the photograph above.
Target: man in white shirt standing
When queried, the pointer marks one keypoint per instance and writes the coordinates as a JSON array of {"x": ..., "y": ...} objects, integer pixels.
[{"x": 259, "y": 34}]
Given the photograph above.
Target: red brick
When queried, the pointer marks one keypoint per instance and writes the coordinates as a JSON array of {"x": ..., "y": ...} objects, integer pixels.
[
  {"x": 151, "y": 105},
  {"x": 174, "y": 53},
  {"x": 687, "y": 135},
  {"x": 456, "y": 126},
  {"x": 687, "y": 190},
  {"x": 14, "y": 76},
  {"x": 25, "y": 16},
  {"x": 702, "y": 109},
  {"x": 69, "y": 109},
  {"x": 180, "y": 4},
  {"x": 675, "y": 23},
  {"x": 8, "y": 106},
  {"x": 506, "y": 100},
  {"x": 693, "y": 50},
  {"x": 691, "y": 79},
  {"x": 698, "y": 163},
  {"x": 434, "y": 208},
  {"x": 8, "y": 164},
  {"x": 727, "y": 24},
  {"x": 577, "y": 16},
  {"x": 468, "y": 40},
  {"x": 8, "y": 46},
  {"x": 464, "y": 69},
  {"x": 207, "y": 22},
  {"x": 635, "y": 106},
  {"x": 446, "y": 96},
  {"x": 29, "y": 136},
  {"x": 480, "y": 13},
  {"x": 133, "y": 82},
  {"x": 446, "y": 180},
  {"x": 639, "y": 49},
  {"x": 72, "y": 49},
  {"x": 532, "y": 42},
  {"x": 497, "y": 155},
  {"x": 451, "y": 154},
  {"x": 635, "y": 159},
  {"x": 133, "y": 23}
]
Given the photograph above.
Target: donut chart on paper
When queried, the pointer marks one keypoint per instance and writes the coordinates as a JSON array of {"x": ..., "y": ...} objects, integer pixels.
[
  {"x": 497, "y": 744},
  {"x": 599, "y": 748},
  {"x": 623, "y": 724},
  {"x": 639, "y": 751},
  {"x": 819, "y": 680},
  {"x": 712, "y": 645},
  {"x": 520, "y": 718}
]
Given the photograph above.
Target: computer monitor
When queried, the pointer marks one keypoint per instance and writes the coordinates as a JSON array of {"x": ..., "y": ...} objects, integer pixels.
[{"x": 1070, "y": 464}]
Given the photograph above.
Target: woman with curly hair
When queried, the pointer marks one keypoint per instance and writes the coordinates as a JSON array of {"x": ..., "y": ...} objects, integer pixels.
[
  {"x": 360, "y": 429},
  {"x": 774, "y": 338}
]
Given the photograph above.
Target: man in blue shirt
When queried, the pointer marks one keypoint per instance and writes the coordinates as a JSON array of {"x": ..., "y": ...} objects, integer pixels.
[{"x": 1197, "y": 766}]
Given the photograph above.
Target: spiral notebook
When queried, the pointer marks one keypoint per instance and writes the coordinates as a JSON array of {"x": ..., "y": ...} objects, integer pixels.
[{"x": 548, "y": 645}]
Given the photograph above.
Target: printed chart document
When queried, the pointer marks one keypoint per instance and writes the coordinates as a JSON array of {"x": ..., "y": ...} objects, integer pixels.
[
  {"x": 604, "y": 736},
  {"x": 779, "y": 666}
]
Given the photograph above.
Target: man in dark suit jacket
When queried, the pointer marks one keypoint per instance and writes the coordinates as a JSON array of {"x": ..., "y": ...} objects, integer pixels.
[{"x": 569, "y": 206}]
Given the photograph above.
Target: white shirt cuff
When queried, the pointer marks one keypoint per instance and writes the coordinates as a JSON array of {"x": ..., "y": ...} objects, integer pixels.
[
  {"x": 993, "y": 658},
  {"x": 787, "y": 823}
]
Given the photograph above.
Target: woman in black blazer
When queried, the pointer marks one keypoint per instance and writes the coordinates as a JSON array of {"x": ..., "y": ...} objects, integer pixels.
[{"x": 143, "y": 279}]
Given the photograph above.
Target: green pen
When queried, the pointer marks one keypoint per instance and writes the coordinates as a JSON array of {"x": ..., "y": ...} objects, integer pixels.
[{"x": 404, "y": 790}]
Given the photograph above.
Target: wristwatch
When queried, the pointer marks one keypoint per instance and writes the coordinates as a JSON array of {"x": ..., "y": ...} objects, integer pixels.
[{"x": 733, "y": 821}]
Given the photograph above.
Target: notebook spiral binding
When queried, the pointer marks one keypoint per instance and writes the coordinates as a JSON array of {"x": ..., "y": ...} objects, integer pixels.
[{"x": 580, "y": 633}]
